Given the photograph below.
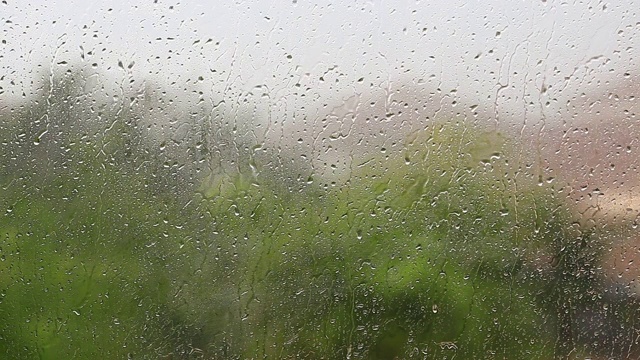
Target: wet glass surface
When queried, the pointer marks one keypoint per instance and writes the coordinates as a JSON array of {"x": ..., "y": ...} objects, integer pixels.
[{"x": 360, "y": 180}]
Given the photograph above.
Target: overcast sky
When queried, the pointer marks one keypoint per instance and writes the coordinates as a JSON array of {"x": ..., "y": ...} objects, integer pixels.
[{"x": 507, "y": 55}]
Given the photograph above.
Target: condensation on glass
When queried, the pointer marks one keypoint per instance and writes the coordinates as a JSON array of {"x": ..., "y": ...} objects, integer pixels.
[{"x": 359, "y": 180}]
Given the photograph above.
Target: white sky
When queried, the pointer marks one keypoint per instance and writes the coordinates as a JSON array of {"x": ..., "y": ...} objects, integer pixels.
[{"x": 501, "y": 54}]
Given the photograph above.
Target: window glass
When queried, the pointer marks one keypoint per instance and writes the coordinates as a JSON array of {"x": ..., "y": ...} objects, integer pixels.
[{"x": 346, "y": 179}]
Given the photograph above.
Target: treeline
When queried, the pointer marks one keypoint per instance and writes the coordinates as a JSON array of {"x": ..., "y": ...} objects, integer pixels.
[{"x": 197, "y": 241}]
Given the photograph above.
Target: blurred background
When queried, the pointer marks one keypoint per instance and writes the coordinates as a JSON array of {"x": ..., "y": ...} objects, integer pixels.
[{"x": 319, "y": 180}]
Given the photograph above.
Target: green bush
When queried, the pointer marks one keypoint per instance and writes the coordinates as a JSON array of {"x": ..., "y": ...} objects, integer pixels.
[{"x": 114, "y": 245}]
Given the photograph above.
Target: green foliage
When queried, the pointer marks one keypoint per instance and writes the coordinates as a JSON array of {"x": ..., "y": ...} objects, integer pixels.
[{"x": 113, "y": 247}]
